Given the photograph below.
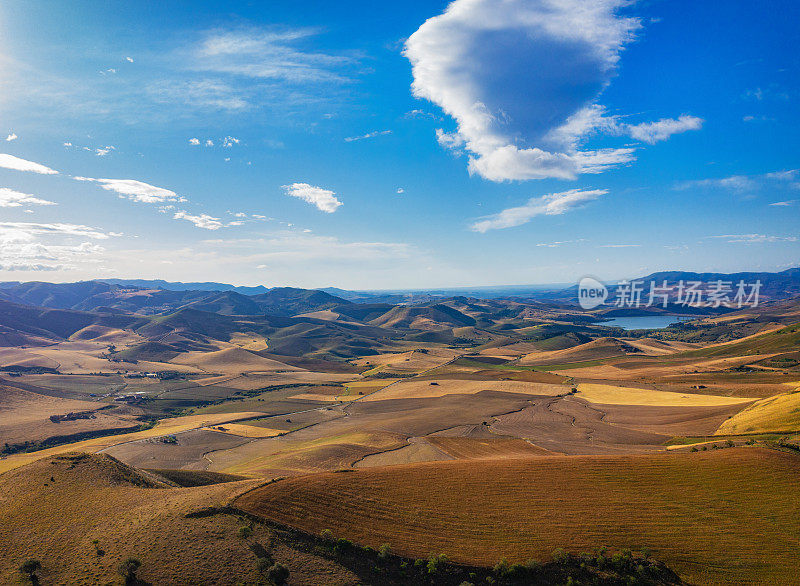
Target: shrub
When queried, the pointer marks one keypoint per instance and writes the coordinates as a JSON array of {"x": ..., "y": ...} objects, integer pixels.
[
  {"x": 244, "y": 532},
  {"x": 29, "y": 568},
  {"x": 560, "y": 556},
  {"x": 326, "y": 534},
  {"x": 435, "y": 562},
  {"x": 501, "y": 568},
  {"x": 384, "y": 551},
  {"x": 128, "y": 568},
  {"x": 278, "y": 573}
]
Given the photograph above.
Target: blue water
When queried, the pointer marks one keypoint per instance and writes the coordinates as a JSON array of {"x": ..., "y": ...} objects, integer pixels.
[{"x": 645, "y": 322}]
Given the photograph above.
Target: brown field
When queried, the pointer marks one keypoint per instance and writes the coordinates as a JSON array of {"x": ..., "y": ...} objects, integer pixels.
[
  {"x": 428, "y": 388},
  {"x": 470, "y": 448},
  {"x": 25, "y": 416},
  {"x": 164, "y": 427},
  {"x": 412, "y": 361},
  {"x": 694, "y": 511}
]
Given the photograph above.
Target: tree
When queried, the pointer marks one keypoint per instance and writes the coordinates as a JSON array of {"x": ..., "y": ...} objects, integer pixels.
[
  {"x": 278, "y": 573},
  {"x": 30, "y": 568},
  {"x": 128, "y": 568}
]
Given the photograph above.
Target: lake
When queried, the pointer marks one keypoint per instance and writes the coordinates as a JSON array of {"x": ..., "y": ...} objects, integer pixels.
[{"x": 645, "y": 322}]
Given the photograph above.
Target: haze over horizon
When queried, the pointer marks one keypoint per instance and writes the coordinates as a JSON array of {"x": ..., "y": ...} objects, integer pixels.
[{"x": 439, "y": 146}]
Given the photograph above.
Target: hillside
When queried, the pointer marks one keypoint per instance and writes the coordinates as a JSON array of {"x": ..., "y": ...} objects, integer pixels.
[{"x": 481, "y": 511}]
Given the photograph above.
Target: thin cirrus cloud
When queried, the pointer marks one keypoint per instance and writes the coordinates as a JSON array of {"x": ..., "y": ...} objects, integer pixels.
[
  {"x": 740, "y": 183},
  {"x": 10, "y": 198},
  {"x": 372, "y": 134},
  {"x": 268, "y": 55},
  {"x": 522, "y": 79},
  {"x": 754, "y": 238},
  {"x": 17, "y": 164},
  {"x": 546, "y": 205},
  {"x": 324, "y": 199},
  {"x": 28, "y": 231},
  {"x": 136, "y": 190}
]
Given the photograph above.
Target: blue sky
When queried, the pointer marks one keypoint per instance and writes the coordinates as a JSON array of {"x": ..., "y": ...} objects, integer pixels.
[{"x": 371, "y": 145}]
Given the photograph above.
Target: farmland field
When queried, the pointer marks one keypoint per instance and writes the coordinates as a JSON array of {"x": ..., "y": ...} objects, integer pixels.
[{"x": 694, "y": 511}]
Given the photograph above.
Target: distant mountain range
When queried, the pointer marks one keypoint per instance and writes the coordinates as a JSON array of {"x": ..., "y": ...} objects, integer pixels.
[{"x": 149, "y": 297}]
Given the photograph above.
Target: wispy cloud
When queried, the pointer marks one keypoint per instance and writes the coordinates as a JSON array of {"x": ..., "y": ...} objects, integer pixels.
[
  {"x": 549, "y": 205},
  {"x": 26, "y": 231},
  {"x": 268, "y": 55},
  {"x": 788, "y": 202},
  {"x": 11, "y": 137},
  {"x": 15, "y": 199},
  {"x": 324, "y": 199},
  {"x": 372, "y": 134},
  {"x": 136, "y": 190},
  {"x": 17, "y": 164},
  {"x": 201, "y": 221},
  {"x": 559, "y": 243},
  {"x": 740, "y": 183},
  {"x": 46, "y": 247},
  {"x": 652, "y": 132},
  {"x": 754, "y": 238}
]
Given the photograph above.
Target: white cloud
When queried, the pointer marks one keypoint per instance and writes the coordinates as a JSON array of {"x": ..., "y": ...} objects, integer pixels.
[
  {"x": 558, "y": 243},
  {"x": 400, "y": 190},
  {"x": 324, "y": 199},
  {"x": 103, "y": 151},
  {"x": 372, "y": 134},
  {"x": 202, "y": 221},
  {"x": 652, "y": 132},
  {"x": 620, "y": 245},
  {"x": 551, "y": 204},
  {"x": 513, "y": 73},
  {"x": 789, "y": 202},
  {"x": 26, "y": 231},
  {"x": 229, "y": 141},
  {"x": 47, "y": 247},
  {"x": 194, "y": 141},
  {"x": 129, "y": 59},
  {"x": 209, "y": 143},
  {"x": 17, "y": 164},
  {"x": 136, "y": 190},
  {"x": 267, "y": 55},
  {"x": 11, "y": 137},
  {"x": 782, "y": 179},
  {"x": 522, "y": 79},
  {"x": 14, "y": 199},
  {"x": 754, "y": 238}
]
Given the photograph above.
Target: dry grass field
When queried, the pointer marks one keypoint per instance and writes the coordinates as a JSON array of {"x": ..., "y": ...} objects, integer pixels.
[
  {"x": 429, "y": 388},
  {"x": 694, "y": 511},
  {"x": 616, "y": 395},
  {"x": 778, "y": 413}
]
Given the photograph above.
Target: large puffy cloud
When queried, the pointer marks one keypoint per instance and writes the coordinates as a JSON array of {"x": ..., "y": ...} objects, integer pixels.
[
  {"x": 136, "y": 190},
  {"x": 14, "y": 199},
  {"x": 324, "y": 199},
  {"x": 546, "y": 205},
  {"x": 17, "y": 164},
  {"x": 522, "y": 78}
]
